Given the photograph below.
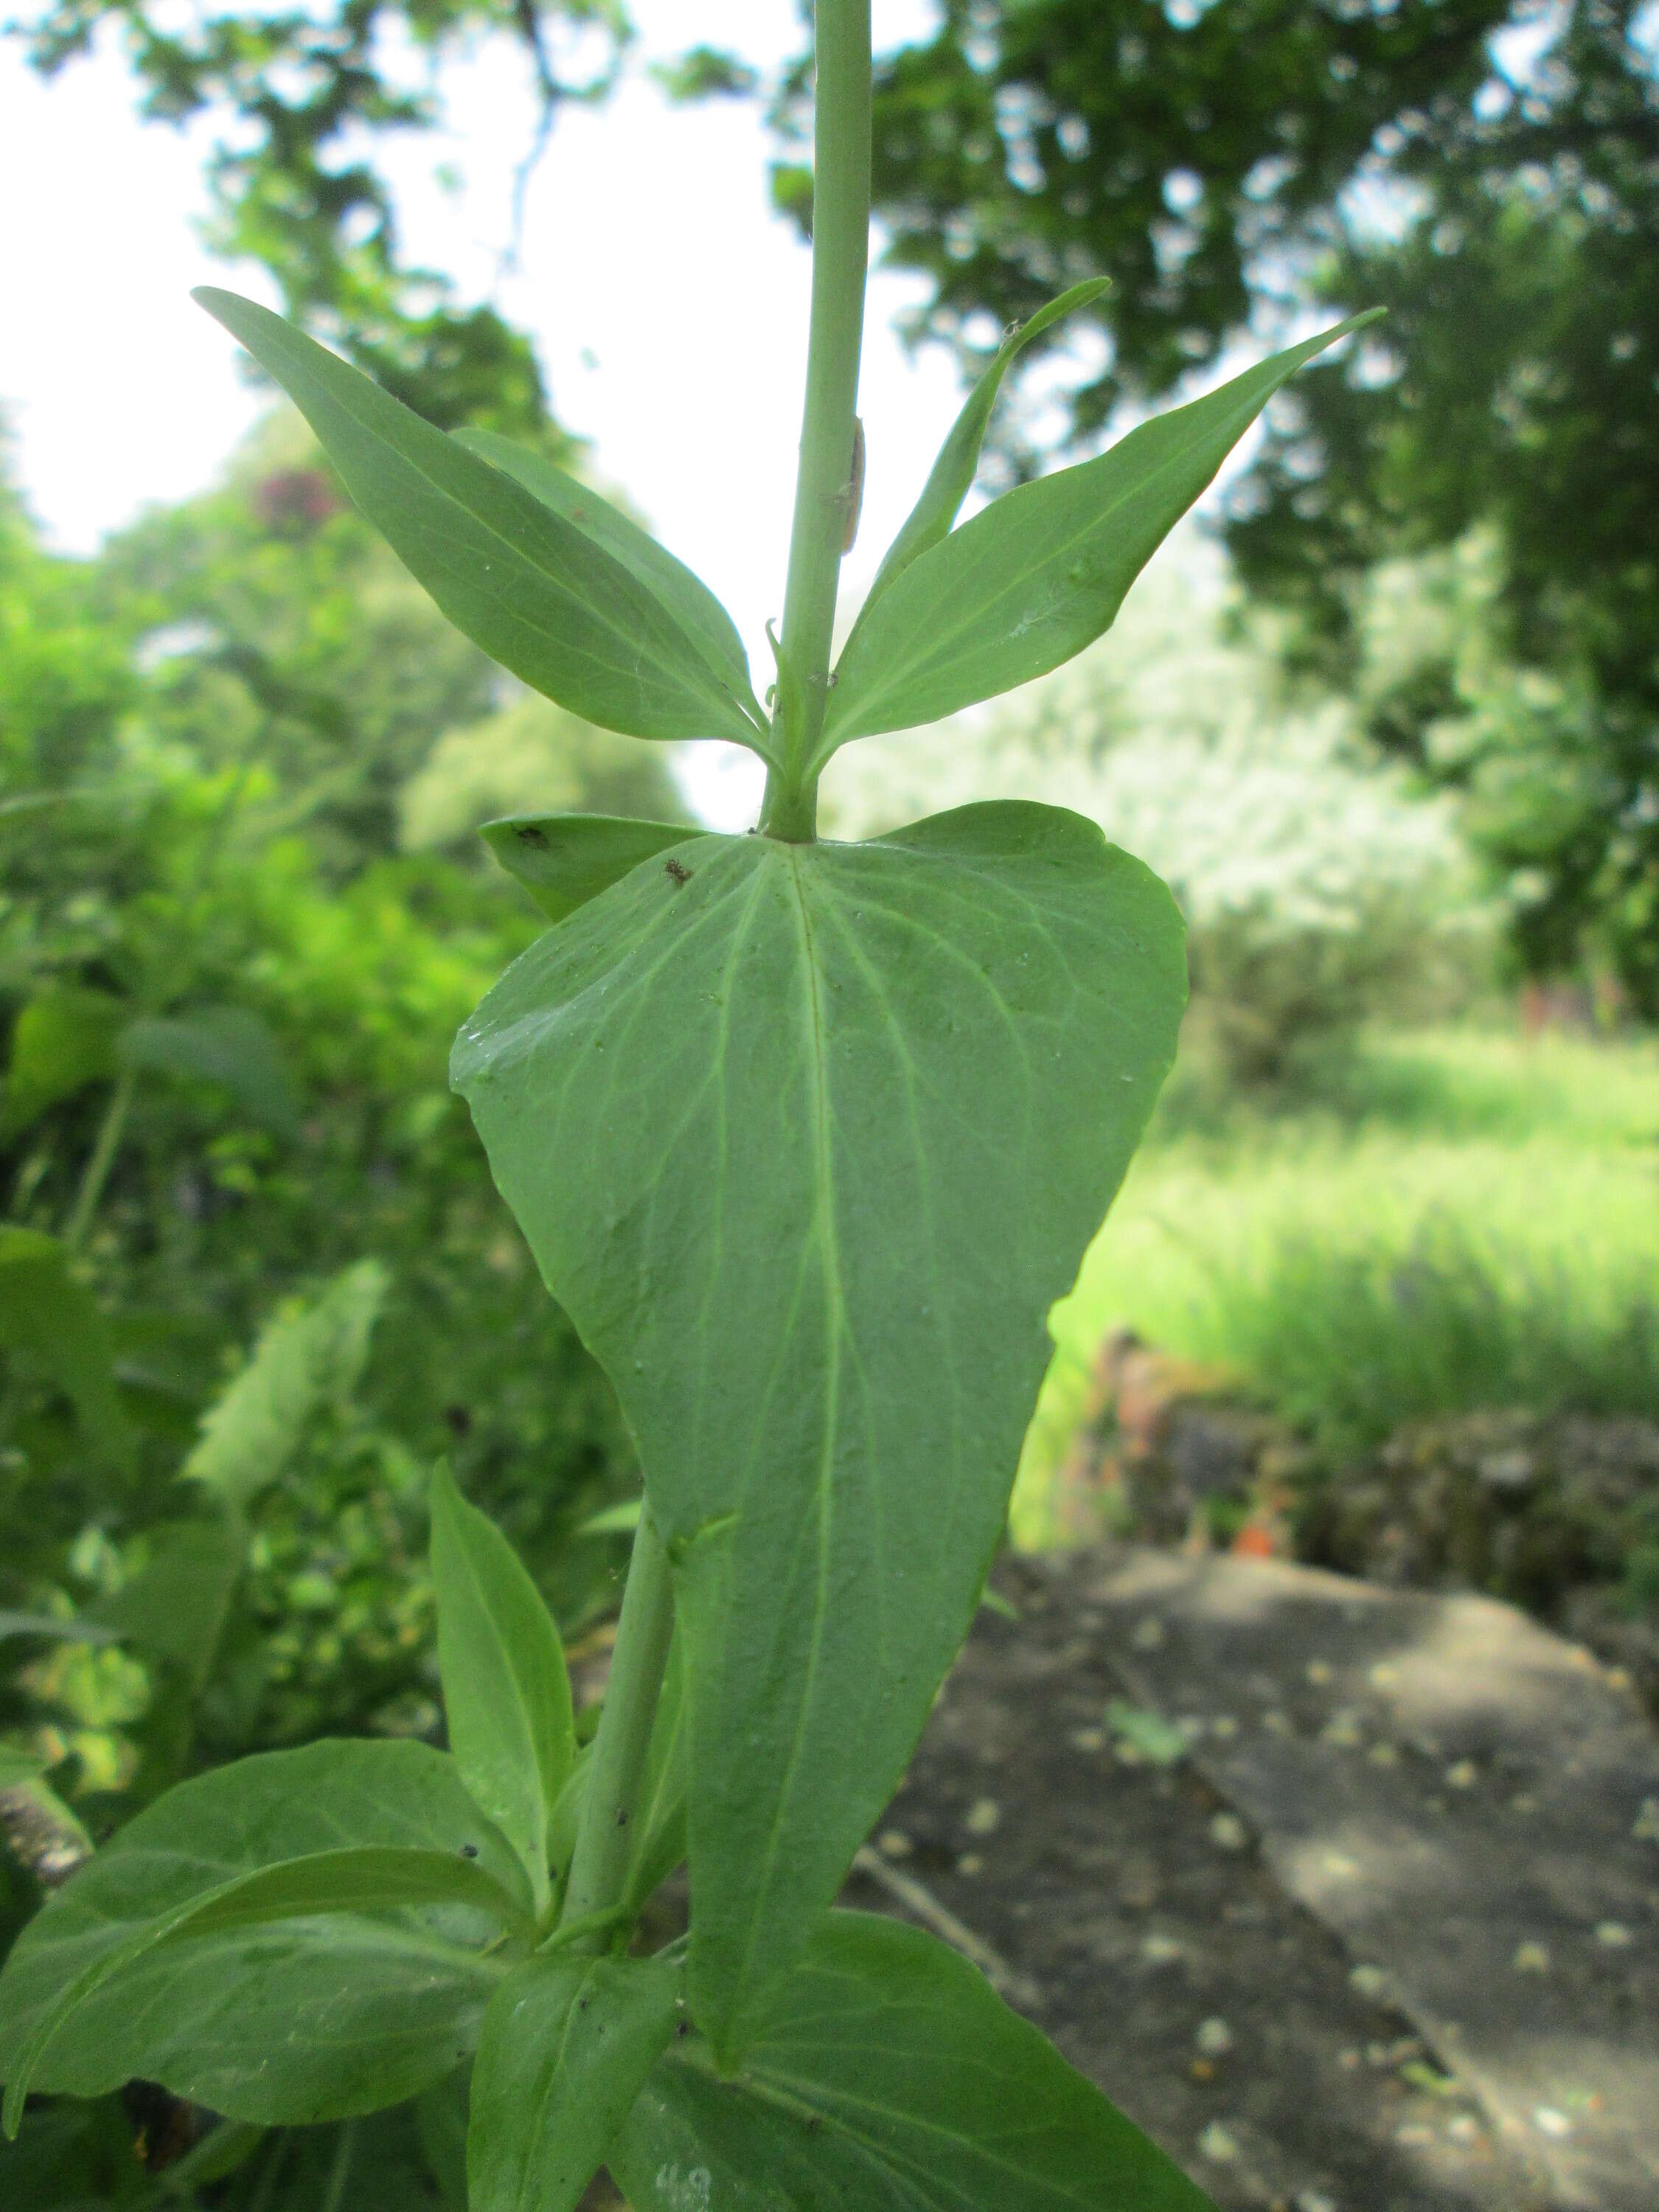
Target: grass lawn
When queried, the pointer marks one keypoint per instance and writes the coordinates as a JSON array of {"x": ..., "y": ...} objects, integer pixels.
[{"x": 1447, "y": 1220}]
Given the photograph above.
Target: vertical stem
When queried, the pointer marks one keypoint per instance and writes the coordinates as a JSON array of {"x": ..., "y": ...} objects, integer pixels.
[
  {"x": 340, "y": 2172},
  {"x": 107, "y": 1144},
  {"x": 599, "y": 1869},
  {"x": 841, "y": 249}
]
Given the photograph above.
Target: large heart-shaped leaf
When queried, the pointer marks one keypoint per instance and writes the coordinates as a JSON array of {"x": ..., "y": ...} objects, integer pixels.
[
  {"x": 566, "y": 2044},
  {"x": 540, "y": 594},
  {"x": 289, "y": 2019},
  {"x": 507, "y": 1694},
  {"x": 1042, "y": 571},
  {"x": 808, "y": 1139},
  {"x": 890, "y": 2078}
]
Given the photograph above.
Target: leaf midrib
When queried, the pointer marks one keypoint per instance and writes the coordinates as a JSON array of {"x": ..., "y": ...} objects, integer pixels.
[
  {"x": 832, "y": 2106},
  {"x": 824, "y": 1220},
  {"x": 528, "y": 1769},
  {"x": 721, "y": 647},
  {"x": 718, "y": 696},
  {"x": 941, "y": 641}
]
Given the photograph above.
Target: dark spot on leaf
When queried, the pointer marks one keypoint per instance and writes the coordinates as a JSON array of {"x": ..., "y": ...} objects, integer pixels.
[
  {"x": 528, "y": 834},
  {"x": 681, "y": 2027},
  {"x": 468, "y": 1850},
  {"x": 679, "y": 875},
  {"x": 621, "y": 1816}
]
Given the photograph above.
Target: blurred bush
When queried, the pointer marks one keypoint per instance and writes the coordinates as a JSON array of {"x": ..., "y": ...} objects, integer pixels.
[
  {"x": 1524, "y": 752},
  {"x": 255, "y": 1279},
  {"x": 226, "y": 998}
]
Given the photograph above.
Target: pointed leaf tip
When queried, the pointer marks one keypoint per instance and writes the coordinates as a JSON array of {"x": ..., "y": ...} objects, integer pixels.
[
  {"x": 576, "y": 613},
  {"x": 952, "y": 477},
  {"x": 1041, "y": 572},
  {"x": 507, "y": 1694}
]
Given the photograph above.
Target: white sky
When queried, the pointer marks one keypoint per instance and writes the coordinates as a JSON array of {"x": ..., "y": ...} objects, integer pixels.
[{"x": 668, "y": 303}]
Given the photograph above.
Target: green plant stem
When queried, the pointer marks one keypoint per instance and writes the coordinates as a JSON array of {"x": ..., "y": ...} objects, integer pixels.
[
  {"x": 604, "y": 1841},
  {"x": 841, "y": 251},
  {"x": 340, "y": 2172},
  {"x": 108, "y": 1142}
]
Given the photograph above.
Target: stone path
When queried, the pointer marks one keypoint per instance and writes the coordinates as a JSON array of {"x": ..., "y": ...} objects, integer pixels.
[
  {"x": 1377, "y": 1931},
  {"x": 1466, "y": 1801}
]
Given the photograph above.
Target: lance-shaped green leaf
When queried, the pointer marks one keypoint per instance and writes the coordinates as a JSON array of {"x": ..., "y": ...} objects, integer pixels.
[
  {"x": 1041, "y": 572},
  {"x": 539, "y": 594},
  {"x": 361, "y": 1878},
  {"x": 174, "y": 1610},
  {"x": 564, "y": 860},
  {"x": 310, "y": 1355},
  {"x": 952, "y": 477},
  {"x": 808, "y": 1142},
  {"x": 506, "y": 1695},
  {"x": 566, "y": 1816},
  {"x": 685, "y": 595},
  {"x": 566, "y": 2044},
  {"x": 889, "y": 2077},
  {"x": 228, "y": 1046},
  {"x": 616, "y": 1520},
  {"x": 325, "y": 2012}
]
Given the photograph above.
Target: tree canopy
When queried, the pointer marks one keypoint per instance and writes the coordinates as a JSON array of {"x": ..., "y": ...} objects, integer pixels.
[
  {"x": 303, "y": 101},
  {"x": 1487, "y": 171}
]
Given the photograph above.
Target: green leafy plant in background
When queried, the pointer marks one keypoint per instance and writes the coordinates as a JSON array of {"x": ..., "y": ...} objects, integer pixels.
[
  {"x": 807, "y": 1138},
  {"x": 211, "y": 730}
]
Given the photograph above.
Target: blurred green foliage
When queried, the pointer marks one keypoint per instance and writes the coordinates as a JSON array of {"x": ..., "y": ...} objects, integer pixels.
[
  {"x": 254, "y": 1280},
  {"x": 1447, "y": 1220},
  {"x": 228, "y": 992}
]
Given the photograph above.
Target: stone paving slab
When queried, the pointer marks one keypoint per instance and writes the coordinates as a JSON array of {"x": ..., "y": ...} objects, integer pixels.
[
  {"x": 1461, "y": 1797},
  {"x": 1122, "y": 1904}
]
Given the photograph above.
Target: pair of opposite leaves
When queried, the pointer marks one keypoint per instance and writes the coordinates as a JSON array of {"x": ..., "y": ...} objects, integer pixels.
[
  {"x": 566, "y": 591},
  {"x": 313, "y": 1935},
  {"x": 807, "y": 1139}
]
